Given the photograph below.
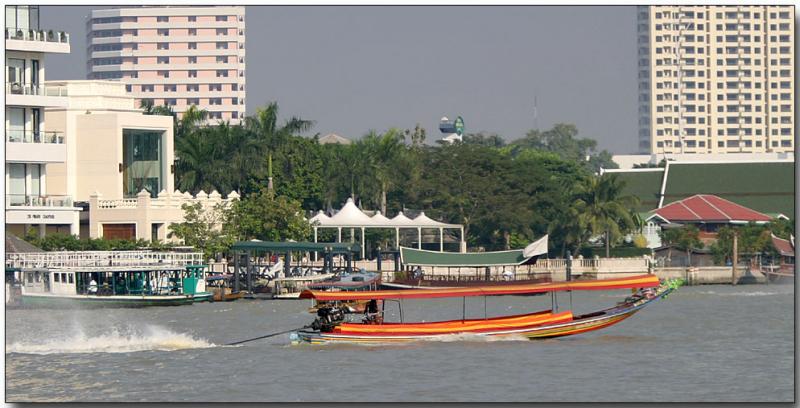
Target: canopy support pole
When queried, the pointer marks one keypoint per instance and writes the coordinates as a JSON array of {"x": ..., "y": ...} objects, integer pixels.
[
  {"x": 419, "y": 237},
  {"x": 315, "y": 241},
  {"x": 397, "y": 237},
  {"x": 441, "y": 239},
  {"x": 339, "y": 239},
  {"x": 363, "y": 243},
  {"x": 463, "y": 248}
]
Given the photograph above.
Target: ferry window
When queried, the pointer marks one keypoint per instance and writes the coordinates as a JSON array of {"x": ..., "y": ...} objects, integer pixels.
[
  {"x": 30, "y": 275},
  {"x": 64, "y": 277},
  {"x": 56, "y": 277},
  {"x": 36, "y": 277},
  {"x": 70, "y": 278}
]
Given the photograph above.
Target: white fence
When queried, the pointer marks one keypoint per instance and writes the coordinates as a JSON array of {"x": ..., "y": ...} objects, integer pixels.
[{"x": 100, "y": 258}]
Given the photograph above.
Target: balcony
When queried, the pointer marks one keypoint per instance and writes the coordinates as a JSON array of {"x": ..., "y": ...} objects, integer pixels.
[
  {"x": 19, "y": 94},
  {"x": 37, "y": 40},
  {"x": 23, "y": 200},
  {"x": 26, "y": 146}
]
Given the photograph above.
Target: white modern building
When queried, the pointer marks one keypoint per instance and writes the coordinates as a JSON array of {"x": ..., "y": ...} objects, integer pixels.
[
  {"x": 176, "y": 55},
  {"x": 32, "y": 147},
  {"x": 119, "y": 163},
  {"x": 716, "y": 79}
]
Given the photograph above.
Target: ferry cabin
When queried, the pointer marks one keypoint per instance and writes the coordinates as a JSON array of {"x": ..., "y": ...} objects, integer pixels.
[{"x": 152, "y": 284}]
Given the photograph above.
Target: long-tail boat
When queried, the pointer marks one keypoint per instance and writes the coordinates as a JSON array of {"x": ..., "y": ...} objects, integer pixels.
[{"x": 333, "y": 325}]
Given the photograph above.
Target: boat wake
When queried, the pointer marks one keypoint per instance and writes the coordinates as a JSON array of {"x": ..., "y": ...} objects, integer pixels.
[{"x": 148, "y": 338}]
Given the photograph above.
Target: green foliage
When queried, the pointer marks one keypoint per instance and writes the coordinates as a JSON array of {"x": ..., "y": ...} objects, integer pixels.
[
  {"x": 262, "y": 215},
  {"x": 68, "y": 242},
  {"x": 753, "y": 239},
  {"x": 563, "y": 140},
  {"x": 618, "y": 252},
  {"x": 505, "y": 195},
  {"x": 484, "y": 139},
  {"x": 202, "y": 228},
  {"x": 639, "y": 241},
  {"x": 602, "y": 209}
]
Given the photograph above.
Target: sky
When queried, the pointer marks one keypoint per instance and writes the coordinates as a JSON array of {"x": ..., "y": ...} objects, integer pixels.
[{"x": 352, "y": 69}]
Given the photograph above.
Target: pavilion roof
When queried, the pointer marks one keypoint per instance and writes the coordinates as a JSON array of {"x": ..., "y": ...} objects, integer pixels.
[{"x": 350, "y": 216}]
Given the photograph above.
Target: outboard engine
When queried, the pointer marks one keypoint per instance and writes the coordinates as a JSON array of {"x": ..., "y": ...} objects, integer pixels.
[{"x": 328, "y": 318}]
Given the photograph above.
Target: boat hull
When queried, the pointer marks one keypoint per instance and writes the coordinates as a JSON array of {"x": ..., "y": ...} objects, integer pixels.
[
  {"x": 91, "y": 301},
  {"x": 578, "y": 325}
]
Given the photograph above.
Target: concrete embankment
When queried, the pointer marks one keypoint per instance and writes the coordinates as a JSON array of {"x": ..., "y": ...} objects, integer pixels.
[{"x": 709, "y": 275}]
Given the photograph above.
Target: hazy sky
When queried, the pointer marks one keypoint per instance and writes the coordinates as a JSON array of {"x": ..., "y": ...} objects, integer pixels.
[{"x": 356, "y": 68}]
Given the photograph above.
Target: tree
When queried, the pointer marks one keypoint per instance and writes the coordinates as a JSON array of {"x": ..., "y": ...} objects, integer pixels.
[
  {"x": 685, "y": 238},
  {"x": 205, "y": 228},
  {"x": 484, "y": 139},
  {"x": 563, "y": 140},
  {"x": 384, "y": 154},
  {"x": 262, "y": 215},
  {"x": 417, "y": 136},
  {"x": 603, "y": 209}
]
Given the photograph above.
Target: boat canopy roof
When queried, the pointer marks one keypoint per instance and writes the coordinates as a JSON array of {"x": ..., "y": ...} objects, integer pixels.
[
  {"x": 637, "y": 281},
  {"x": 272, "y": 246},
  {"x": 414, "y": 257}
]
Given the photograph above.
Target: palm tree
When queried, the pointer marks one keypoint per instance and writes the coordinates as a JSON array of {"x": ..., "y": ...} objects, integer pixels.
[
  {"x": 603, "y": 209},
  {"x": 264, "y": 124},
  {"x": 384, "y": 153}
]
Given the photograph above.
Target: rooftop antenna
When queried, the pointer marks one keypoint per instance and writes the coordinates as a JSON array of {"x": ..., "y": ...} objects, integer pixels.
[{"x": 535, "y": 113}]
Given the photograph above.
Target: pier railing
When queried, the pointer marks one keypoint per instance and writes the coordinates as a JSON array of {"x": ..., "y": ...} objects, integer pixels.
[{"x": 65, "y": 259}]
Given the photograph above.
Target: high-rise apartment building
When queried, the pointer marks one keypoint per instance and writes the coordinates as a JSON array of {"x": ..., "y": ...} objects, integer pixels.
[
  {"x": 716, "y": 79},
  {"x": 178, "y": 56},
  {"x": 31, "y": 148}
]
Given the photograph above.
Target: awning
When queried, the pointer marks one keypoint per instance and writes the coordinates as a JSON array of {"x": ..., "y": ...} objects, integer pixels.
[
  {"x": 633, "y": 282},
  {"x": 272, "y": 246},
  {"x": 414, "y": 257}
]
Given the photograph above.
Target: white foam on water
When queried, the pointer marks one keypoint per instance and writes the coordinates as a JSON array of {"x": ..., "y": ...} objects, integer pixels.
[{"x": 146, "y": 338}]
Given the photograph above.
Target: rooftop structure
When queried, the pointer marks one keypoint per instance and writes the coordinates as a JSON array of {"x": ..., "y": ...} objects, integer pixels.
[
  {"x": 706, "y": 208},
  {"x": 767, "y": 187},
  {"x": 333, "y": 138}
]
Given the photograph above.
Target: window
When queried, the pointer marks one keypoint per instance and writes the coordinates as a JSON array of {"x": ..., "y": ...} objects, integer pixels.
[
  {"x": 192, "y": 19},
  {"x": 234, "y": 101},
  {"x": 128, "y": 88},
  {"x": 233, "y": 87},
  {"x": 222, "y": 59},
  {"x": 192, "y": 74},
  {"x": 148, "y": 88},
  {"x": 56, "y": 277},
  {"x": 192, "y": 45},
  {"x": 70, "y": 276},
  {"x": 222, "y": 46},
  {"x": 193, "y": 60},
  {"x": 192, "y": 31},
  {"x": 162, "y": 32},
  {"x": 163, "y": 60},
  {"x": 222, "y": 18},
  {"x": 193, "y": 88},
  {"x": 222, "y": 74},
  {"x": 163, "y": 46},
  {"x": 170, "y": 102},
  {"x": 215, "y": 101},
  {"x": 193, "y": 101},
  {"x": 163, "y": 74},
  {"x": 214, "y": 87},
  {"x": 222, "y": 31},
  {"x": 170, "y": 88},
  {"x": 162, "y": 19},
  {"x": 141, "y": 150}
]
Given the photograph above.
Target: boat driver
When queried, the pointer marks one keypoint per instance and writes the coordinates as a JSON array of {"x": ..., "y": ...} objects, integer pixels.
[{"x": 371, "y": 313}]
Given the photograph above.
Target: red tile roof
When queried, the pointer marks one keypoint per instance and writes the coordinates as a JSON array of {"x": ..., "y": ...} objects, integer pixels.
[
  {"x": 783, "y": 246},
  {"x": 708, "y": 208}
]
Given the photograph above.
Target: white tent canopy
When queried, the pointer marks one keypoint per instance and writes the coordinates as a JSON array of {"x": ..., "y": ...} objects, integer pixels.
[{"x": 350, "y": 216}]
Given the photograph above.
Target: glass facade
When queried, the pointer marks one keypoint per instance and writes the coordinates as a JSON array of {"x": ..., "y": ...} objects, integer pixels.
[{"x": 142, "y": 162}]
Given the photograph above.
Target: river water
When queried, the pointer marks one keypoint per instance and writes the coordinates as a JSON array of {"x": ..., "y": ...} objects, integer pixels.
[{"x": 702, "y": 343}]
